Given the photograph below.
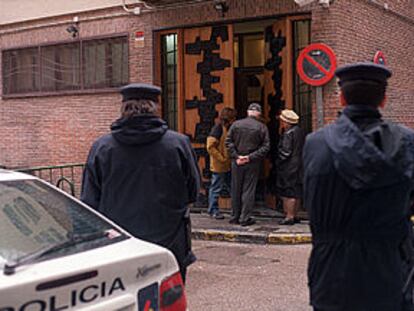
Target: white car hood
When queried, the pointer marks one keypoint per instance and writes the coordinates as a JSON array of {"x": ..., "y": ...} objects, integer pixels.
[{"x": 119, "y": 267}]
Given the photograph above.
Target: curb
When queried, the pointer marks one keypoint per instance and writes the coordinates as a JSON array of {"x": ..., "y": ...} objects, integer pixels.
[
  {"x": 251, "y": 237},
  {"x": 289, "y": 238}
]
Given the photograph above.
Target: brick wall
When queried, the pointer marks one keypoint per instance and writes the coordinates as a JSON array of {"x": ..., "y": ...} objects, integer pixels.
[
  {"x": 56, "y": 130},
  {"x": 358, "y": 29},
  {"x": 60, "y": 129}
]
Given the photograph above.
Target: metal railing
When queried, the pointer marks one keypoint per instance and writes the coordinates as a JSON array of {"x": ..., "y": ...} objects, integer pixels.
[{"x": 67, "y": 177}]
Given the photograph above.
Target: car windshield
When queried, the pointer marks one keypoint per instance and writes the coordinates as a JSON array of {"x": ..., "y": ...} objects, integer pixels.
[{"x": 34, "y": 216}]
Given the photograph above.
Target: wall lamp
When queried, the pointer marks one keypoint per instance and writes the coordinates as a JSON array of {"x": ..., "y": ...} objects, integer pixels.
[
  {"x": 74, "y": 28},
  {"x": 221, "y": 6}
]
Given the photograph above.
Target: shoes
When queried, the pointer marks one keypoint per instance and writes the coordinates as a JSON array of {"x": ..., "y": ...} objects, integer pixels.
[
  {"x": 297, "y": 220},
  {"x": 234, "y": 221},
  {"x": 217, "y": 216},
  {"x": 287, "y": 222},
  {"x": 248, "y": 222}
]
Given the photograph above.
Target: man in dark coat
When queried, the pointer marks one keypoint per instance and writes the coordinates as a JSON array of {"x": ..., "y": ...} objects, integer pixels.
[
  {"x": 289, "y": 166},
  {"x": 143, "y": 175},
  {"x": 248, "y": 143},
  {"x": 358, "y": 180}
]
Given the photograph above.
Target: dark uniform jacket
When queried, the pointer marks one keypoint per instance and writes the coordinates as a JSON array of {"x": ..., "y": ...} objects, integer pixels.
[
  {"x": 142, "y": 176},
  {"x": 289, "y": 159},
  {"x": 358, "y": 180},
  {"x": 248, "y": 137}
]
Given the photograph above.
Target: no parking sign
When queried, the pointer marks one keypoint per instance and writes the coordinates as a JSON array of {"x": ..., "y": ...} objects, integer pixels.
[
  {"x": 379, "y": 58},
  {"x": 316, "y": 64}
]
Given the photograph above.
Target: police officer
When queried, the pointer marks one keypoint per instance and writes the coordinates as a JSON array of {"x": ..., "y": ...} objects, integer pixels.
[
  {"x": 143, "y": 175},
  {"x": 357, "y": 186},
  {"x": 248, "y": 143}
]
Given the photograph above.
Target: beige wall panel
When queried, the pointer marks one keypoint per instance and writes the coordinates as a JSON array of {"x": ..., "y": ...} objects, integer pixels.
[
  {"x": 284, "y": 26},
  {"x": 12, "y": 11},
  {"x": 226, "y": 85},
  {"x": 192, "y": 77}
]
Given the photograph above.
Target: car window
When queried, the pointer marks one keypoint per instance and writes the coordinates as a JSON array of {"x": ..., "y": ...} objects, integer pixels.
[{"x": 34, "y": 215}]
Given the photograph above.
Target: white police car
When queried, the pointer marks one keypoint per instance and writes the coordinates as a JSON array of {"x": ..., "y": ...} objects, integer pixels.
[{"x": 58, "y": 254}]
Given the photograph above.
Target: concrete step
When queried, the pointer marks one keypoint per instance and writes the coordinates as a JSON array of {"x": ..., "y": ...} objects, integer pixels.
[{"x": 265, "y": 231}]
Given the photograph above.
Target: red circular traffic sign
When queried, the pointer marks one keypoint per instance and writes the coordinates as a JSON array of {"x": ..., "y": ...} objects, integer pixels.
[
  {"x": 316, "y": 64},
  {"x": 379, "y": 58}
]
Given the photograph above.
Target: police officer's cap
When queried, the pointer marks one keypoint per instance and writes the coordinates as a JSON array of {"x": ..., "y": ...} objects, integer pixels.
[
  {"x": 367, "y": 71},
  {"x": 140, "y": 91}
]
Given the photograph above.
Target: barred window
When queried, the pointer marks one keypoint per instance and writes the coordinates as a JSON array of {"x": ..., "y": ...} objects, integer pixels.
[
  {"x": 21, "y": 71},
  {"x": 105, "y": 63},
  {"x": 169, "y": 54},
  {"x": 60, "y": 67},
  {"x": 76, "y": 66}
]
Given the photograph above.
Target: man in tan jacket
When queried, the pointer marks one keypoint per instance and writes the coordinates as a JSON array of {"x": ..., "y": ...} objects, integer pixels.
[{"x": 220, "y": 162}]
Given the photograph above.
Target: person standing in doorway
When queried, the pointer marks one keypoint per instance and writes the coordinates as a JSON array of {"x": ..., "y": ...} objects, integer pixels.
[
  {"x": 289, "y": 166},
  {"x": 248, "y": 144},
  {"x": 358, "y": 186},
  {"x": 220, "y": 163},
  {"x": 143, "y": 176}
]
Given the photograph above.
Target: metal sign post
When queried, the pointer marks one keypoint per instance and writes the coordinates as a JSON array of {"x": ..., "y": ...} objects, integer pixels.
[{"x": 319, "y": 106}]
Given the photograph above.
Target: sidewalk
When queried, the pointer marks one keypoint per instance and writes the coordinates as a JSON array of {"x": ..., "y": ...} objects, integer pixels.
[{"x": 265, "y": 231}]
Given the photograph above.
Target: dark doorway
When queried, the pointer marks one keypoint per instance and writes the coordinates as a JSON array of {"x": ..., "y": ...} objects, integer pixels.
[
  {"x": 249, "y": 80},
  {"x": 249, "y": 55},
  {"x": 248, "y": 88}
]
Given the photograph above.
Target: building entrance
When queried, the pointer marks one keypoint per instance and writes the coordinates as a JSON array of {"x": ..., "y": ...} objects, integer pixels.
[{"x": 204, "y": 69}]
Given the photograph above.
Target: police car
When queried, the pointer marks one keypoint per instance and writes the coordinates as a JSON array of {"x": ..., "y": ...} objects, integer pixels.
[{"x": 58, "y": 254}]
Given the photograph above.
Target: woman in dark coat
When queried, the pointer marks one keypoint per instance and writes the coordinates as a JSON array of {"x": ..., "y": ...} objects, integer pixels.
[{"x": 289, "y": 165}]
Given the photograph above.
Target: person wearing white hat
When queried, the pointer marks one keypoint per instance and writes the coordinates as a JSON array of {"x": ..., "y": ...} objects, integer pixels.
[{"x": 289, "y": 166}]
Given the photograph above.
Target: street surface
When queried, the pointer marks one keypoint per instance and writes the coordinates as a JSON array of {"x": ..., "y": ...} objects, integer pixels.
[{"x": 248, "y": 277}]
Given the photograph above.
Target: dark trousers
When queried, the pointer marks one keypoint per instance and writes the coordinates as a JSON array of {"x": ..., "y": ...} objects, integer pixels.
[
  {"x": 219, "y": 181},
  {"x": 181, "y": 247},
  {"x": 243, "y": 188},
  {"x": 183, "y": 272}
]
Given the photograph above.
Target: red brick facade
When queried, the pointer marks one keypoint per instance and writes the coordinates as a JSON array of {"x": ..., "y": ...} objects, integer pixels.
[{"x": 51, "y": 130}]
